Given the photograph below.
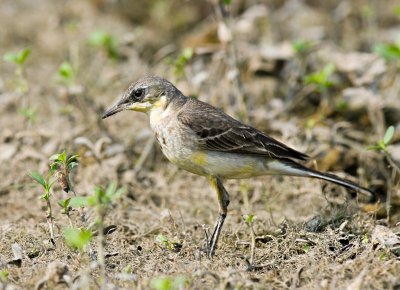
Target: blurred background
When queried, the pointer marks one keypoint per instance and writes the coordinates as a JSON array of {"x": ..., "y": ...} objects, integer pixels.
[{"x": 320, "y": 76}]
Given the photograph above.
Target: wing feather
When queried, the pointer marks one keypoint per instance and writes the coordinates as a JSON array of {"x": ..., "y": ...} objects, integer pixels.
[{"x": 217, "y": 131}]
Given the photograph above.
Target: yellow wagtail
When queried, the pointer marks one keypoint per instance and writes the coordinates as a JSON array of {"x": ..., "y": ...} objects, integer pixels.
[{"x": 204, "y": 140}]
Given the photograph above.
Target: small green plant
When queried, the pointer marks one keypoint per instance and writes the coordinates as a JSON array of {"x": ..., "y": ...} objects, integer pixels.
[
  {"x": 66, "y": 74},
  {"x": 180, "y": 62},
  {"x": 396, "y": 10},
  {"x": 249, "y": 220},
  {"x": 19, "y": 59},
  {"x": 105, "y": 41},
  {"x": 61, "y": 166},
  {"x": 4, "y": 276},
  {"x": 167, "y": 244},
  {"x": 100, "y": 201},
  {"x": 64, "y": 204},
  {"x": 389, "y": 51},
  {"x": 302, "y": 46},
  {"x": 382, "y": 146},
  {"x": 29, "y": 113},
  {"x": 365, "y": 239},
  {"x": 77, "y": 238},
  {"x": 322, "y": 78},
  {"x": 19, "y": 81},
  {"x": 168, "y": 283},
  {"x": 46, "y": 185},
  {"x": 367, "y": 11},
  {"x": 306, "y": 248}
]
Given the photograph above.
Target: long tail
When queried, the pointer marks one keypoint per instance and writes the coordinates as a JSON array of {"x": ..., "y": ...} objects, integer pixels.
[{"x": 296, "y": 169}]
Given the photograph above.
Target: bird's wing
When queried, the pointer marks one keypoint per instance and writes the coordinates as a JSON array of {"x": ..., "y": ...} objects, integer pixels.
[{"x": 217, "y": 131}]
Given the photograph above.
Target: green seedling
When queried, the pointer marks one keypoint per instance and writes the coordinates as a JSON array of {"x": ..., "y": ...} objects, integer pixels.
[
  {"x": 100, "y": 201},
  {"x": 64, "y": 204},
  {"x": 382, "y": 145},
  {"x": 249, "y": 220},
  {"x": 18, "y": 58},
  {"x": 396, "y": 10},
  {"x": 46, "y": 185},
  {"x": 105, "y": 41},
  {"x": 302, "y": 47},
  {"x": 168, "y": 283},
  {"x": 389, "y": 51},
  {"x": 167, "y": 244},
  {"x": 365, "y": 239},
  {"x": 367, "y": 11},
  {"x": 66, "y": 74},
  {"x": 306, "y": 248},
  {"x": 4, "y": 276},
  {"x": 322, "y": 78},
  {"x": 77, "y": 238},
  {"x": 29, "y": 114},
  {"x": 61, "y": 165},
  {"x": 180, "y": 62}
]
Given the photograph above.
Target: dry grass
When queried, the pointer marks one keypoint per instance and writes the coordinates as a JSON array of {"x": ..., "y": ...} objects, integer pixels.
[{"x": 309, "y": 235}]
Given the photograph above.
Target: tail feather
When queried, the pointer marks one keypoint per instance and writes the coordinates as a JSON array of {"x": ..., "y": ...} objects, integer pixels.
[{"x": 326, "y": 176}]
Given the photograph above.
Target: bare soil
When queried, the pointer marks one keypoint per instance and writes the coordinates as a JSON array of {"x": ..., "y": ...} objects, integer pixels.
[{"x": 309, "y": 234}]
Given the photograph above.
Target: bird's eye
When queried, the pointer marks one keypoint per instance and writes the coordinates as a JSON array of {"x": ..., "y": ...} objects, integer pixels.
[{"x": 138, "y": 93}]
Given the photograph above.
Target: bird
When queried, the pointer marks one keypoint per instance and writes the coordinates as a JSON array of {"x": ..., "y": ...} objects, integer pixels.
[{"x": 202, "y": 139}]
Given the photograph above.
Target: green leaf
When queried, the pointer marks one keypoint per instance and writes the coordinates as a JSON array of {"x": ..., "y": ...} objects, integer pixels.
[
  {"x": 73, "y": 158},
  {"x": 10, "y": 57},
  {"x": 17, "y": 58},
  {"x": 72, "y": 165},
  {"x": 388, "y": 135},
  {"x": 77, "y": 238},
  {"x": 162, "y": 240},
  {"x": 38, "y": 178},
  {"x": 78, "y": 201},
  {"x": 65, "y": 70},
  {"x": 249, "y": 219},
  {"x": 390, "y": 51},
  {"x": 64, "y": 203},
  {"x": 59, "y": 157},
  {"x": 302, "y": 46},
  {"x": 105, "y": 40},
  {"x": 322, "y": 77},
  {"x": 161, "y": 283}
]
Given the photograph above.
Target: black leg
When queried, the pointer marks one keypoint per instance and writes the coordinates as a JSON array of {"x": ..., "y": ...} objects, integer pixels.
[{"x": 223, "y": 201}]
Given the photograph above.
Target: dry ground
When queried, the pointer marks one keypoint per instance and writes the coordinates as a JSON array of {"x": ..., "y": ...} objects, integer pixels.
[{"x": 309, "y": 234}]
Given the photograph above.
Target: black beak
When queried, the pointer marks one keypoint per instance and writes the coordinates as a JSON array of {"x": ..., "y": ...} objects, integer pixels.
[{"x": 113, "y": 110}]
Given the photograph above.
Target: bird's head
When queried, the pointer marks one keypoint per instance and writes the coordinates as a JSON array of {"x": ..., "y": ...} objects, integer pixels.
[{"x": 144, "y": 95}]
